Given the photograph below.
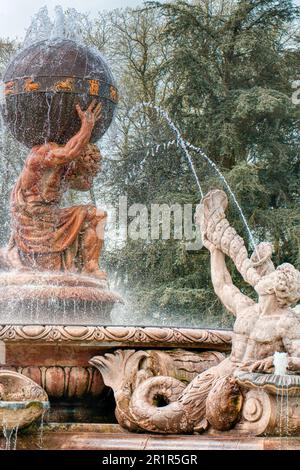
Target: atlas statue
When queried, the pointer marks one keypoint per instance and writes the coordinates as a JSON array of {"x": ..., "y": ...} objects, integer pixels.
[{"x": 44, "y": 236}]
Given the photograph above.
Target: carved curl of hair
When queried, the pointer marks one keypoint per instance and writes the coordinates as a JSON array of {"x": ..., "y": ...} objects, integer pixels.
[{"x": 287, "y": 285}]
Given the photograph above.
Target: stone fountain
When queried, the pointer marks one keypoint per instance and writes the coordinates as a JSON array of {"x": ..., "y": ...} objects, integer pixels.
[
  {"x": 240, "y": 394},
  {"x": 59, "y": 99},
  {"x": 57, "y": 343},
  {"x": 50, "y": 271},
  {"x": 52, "y": 255}
]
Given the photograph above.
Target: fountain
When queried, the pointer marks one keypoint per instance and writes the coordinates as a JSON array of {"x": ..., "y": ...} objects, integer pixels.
[
  {"x": 59, "y": 99},
  {"x": 49, "y": 269},
  {"x": 238, "y": 394},
  {"x": 57, "y": 341}
]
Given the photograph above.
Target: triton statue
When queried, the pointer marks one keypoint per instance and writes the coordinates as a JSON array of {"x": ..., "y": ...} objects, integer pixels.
[{"x": 220, "y": 396}]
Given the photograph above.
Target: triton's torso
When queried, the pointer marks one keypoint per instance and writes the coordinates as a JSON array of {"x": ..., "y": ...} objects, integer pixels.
[{"x": 256, "y": 336}]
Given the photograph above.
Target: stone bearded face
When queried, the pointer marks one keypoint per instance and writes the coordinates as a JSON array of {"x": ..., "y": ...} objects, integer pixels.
[{"x": 83, "y": 170}]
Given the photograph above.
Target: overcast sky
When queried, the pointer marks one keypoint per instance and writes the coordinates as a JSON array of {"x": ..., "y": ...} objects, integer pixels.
[{"x": 15, "y": 15}]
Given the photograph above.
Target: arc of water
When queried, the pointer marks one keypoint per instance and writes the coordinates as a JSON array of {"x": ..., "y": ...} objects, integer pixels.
[
  {"x": 185, "y": 145},
  {"x": 180, "y": 140},
  {"x": 226, "y": 184}
]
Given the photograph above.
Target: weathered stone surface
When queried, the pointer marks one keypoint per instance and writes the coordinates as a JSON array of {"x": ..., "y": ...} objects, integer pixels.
[
  {"x": 22, "y": 401},
  {"x": 53, "y": 252},
  {"x": 113, "y": 437},
  {"x": 271, "y": 404},
  {"x": 118, "y": 336},
  {"x": 147, "y": 400},
  {"x": 45, "y": 81},
  {"x": 260, "y": 330},
  {"x": 55, "y": 298}
]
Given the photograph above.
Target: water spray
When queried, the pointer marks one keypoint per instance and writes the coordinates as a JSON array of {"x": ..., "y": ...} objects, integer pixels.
[{"x": 185, "y": 146}]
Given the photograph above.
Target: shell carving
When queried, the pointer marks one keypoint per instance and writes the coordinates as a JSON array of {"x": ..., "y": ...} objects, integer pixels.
[{"x": 22, "y": 401}]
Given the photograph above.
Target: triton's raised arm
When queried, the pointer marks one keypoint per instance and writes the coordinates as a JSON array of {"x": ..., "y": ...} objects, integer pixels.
[
  {"x": 73, "y": 148},
  {"x": 230, "y": 296},
  {"x": 222, "y": 240}
]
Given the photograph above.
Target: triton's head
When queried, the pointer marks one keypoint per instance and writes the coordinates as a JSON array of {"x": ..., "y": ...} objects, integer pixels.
[{"x": 284, "y": 282}]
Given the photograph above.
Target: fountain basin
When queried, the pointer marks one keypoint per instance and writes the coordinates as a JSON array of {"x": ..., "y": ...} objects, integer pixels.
[
  {"x": 22, "y": 401},
  {"x": 55, "y": 297},
  {"x": 286, "y": 385},
  {"x": 270, "y": 405},
  {"x": 15, "y": 414},
  {"x": 57, "y": 358}
]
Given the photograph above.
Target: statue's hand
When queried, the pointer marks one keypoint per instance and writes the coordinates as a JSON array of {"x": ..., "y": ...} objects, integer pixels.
[
  {"x": 209, "y": 245},
  {"x": 199, "y": 220},
  {"x": 263, "y": 365},
  {"x": 91, "y": 115}
]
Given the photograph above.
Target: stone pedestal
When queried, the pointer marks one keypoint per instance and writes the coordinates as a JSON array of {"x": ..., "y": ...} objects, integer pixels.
[
  {"x": 55, "y": 298},
  {"x": 271, "y": 404}
]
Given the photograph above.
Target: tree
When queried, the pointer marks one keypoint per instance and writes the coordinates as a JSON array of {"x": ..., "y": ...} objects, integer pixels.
[
  {"x": 228, "y": 70},
  {"x": 238, "y": 104}
]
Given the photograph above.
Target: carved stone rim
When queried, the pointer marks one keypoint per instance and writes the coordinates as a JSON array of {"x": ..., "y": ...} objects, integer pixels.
[
  {"x": 288, "y": 384},
  {"x": 118, "y": 335},
  {"x": 22, "y": 405}
]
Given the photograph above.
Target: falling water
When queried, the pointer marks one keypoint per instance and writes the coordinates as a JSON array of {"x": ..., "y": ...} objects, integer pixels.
[
  {"x": 58, "y": 30},
  {"x": 2, "y": 135},
  {"x": 185, "y": 145},
  {"x": 31, "y": 310},
  {"x": 14, "y": 447},
  {"x": 48, "y": 97},
  {"x": 42, "y": 28},
  {"x": 287, "y": 414},
  {"x": 214, "y": 166},
  {"x": 11, "y": 436},
  {"x": 280, "y": 361},
  {"x": 41, "y": 430},
  {"x": 64, "y": 311}
]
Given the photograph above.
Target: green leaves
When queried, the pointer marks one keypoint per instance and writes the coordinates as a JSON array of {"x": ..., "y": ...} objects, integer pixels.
[{"x": 259, "y": 103}]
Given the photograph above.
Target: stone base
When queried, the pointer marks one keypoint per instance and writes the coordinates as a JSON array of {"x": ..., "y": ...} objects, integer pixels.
[
  {"x": 270, "y": 405},
  {"x": 112, "y": 437},
  {"x": 57, "y": 358},
  {"x": 55, "y": 297}
]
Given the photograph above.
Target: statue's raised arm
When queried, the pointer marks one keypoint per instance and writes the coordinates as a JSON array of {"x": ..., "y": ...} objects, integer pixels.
[
  {"x": 62, "y": 155},
  {"x": 221, "y": 239},
  {"x": 230, "y": 296}
]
